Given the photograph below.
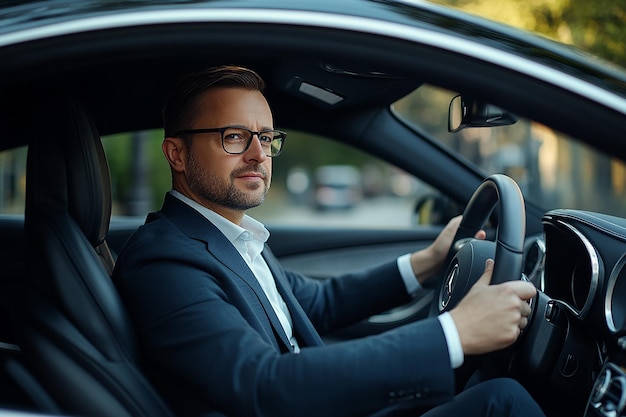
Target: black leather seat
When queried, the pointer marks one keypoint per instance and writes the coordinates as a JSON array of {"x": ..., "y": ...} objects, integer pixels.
[{"x": 77, "y": 339}]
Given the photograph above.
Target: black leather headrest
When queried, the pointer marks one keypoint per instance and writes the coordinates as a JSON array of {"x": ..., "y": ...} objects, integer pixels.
[{"x": 67, "y": 164}]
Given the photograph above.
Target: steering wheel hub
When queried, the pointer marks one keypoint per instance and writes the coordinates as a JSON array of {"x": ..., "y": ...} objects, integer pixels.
[
  {"x": 448, "y": 287},
  {"x": 465, "y": 269}
]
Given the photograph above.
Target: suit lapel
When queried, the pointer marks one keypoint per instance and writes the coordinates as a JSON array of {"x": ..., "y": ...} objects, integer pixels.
[
  {"x": 188, "y": 220},
  {"x": 303, "y": 328},
  {"x": 231, "y": 259}
]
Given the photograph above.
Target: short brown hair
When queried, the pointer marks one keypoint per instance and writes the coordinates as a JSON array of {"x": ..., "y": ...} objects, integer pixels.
[{"x": 180, "y": 109}]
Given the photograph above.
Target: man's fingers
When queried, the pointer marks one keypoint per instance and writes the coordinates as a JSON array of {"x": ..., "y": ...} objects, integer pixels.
[
  {"x": 485, "y": 278},
  {"x": 523, "y": 323},
  {"x": 525, "y": 311},
  {"x": 524, "y": 290},
  {"x": 481, "y": 235}
]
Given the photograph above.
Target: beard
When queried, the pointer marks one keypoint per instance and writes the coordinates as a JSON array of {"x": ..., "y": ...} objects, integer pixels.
[{"x": 223, "y": 192}]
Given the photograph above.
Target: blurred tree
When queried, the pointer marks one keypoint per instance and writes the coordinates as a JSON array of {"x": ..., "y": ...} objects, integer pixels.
[
  {"x": 597, "y": 26},
  {"x": 122, "y": 161}
]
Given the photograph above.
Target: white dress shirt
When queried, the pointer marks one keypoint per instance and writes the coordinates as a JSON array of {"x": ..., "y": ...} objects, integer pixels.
[{"x": 249, "y": 239}]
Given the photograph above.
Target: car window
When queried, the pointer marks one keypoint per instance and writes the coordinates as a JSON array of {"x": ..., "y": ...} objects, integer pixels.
[
  {"x": 553, "y": 170},
  {"x": 315, "y": 181}
]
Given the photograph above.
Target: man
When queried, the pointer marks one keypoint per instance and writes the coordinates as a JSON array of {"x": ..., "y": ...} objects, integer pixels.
[{"x": 224, "y": 328}]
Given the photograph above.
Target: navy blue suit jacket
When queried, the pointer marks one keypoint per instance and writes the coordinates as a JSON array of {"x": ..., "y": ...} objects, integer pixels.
[{"x": 211, "y": 341}]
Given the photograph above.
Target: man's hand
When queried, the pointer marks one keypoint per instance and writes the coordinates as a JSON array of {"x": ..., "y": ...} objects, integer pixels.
[
  {"x": 491, "y": 317},
  {"x": 427, "y": 262}
]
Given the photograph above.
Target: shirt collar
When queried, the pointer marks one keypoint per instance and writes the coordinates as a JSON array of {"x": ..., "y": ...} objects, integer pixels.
[{"x": 250, "y": 228}]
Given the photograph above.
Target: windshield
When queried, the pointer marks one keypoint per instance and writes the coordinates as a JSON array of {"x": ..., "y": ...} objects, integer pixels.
[{"x": 553, "y": 170}]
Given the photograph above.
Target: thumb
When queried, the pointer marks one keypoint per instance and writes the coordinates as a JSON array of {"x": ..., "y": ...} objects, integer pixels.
[{"x": 485, "y": 278}]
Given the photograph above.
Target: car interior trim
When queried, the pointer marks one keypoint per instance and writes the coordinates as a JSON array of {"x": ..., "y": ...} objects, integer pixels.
[
  {"x": 595, "y": 269},
  {"x": 534, "y": 271},
  {"x": 404, "y": 312},
  {"x": 319, "y": 93},
  {"x": 608, "y": 396},
  {"x": 618, "y": 276}
]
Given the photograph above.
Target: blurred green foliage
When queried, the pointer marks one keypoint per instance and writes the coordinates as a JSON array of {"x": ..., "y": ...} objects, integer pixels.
[
  {"x": 122, "y": 158},
  {"x": 596, "y": 26}
]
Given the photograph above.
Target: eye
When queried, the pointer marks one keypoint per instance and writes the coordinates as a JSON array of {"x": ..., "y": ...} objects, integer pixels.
[
  {"x": 235, "y": 135},
  {"x": 266, "y": 137}
]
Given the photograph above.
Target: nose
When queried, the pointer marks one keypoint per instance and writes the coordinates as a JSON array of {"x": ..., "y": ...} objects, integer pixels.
[{"x": 255, "y": 151}]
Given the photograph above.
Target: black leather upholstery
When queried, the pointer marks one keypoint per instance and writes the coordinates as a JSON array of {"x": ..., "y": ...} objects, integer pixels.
[{"x": 78, "y": 339}]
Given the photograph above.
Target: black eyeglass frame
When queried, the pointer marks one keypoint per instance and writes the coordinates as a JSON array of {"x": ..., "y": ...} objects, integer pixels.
[{"x": 282, "y": 135}]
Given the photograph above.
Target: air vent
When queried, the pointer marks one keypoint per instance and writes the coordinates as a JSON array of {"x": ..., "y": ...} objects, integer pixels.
[{"x": 608, "y": 397}]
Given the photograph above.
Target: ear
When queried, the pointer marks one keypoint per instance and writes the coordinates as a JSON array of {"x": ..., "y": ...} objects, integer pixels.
[{"x": 175, "y": 152}]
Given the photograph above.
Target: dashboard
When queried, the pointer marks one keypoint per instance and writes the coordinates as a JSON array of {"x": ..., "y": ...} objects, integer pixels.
[{"x": 578, "y": 328}]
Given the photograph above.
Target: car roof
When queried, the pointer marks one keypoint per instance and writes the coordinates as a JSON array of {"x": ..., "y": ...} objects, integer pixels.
[
  {"x": 123, "y": 56},
  {"x": 19, "y": 15}
]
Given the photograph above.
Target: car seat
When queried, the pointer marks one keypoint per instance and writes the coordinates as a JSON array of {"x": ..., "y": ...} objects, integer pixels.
[{"x": 77, "y": 338}]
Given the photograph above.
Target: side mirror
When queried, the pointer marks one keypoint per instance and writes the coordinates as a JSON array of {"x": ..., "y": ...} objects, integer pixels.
[
  {"x": 469, "y": 112},
  {"x": 435, "y": 209}
]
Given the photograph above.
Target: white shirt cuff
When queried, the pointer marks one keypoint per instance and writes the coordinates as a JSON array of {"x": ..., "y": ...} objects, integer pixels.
[
  {"x": 455, "y": 349},
  {"x": 408, "y": 276}
]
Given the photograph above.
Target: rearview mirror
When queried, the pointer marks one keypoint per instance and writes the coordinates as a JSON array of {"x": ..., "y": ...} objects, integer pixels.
[{"x": 469, "y": 112}]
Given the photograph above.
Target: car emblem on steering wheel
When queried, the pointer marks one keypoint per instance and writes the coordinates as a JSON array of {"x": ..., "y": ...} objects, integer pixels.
[{"x": 448, "y": 286}]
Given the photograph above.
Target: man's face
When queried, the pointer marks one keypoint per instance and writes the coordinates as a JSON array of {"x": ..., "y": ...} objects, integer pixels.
[{"x": 221, "y": 180}]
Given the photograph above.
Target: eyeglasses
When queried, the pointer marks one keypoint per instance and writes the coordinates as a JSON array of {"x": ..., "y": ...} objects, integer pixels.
[{"x": 237, "y": 140}]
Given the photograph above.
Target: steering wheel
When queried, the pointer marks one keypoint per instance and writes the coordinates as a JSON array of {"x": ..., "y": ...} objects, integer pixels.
[{"x": 467, "y": 256}]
